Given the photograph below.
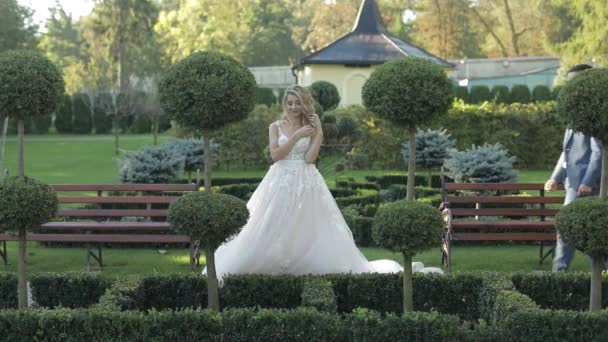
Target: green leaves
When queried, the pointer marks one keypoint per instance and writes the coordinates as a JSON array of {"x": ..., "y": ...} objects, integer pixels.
[
  {"x": 25, "y": 203},
  {"x": 30, "y": 85},
  {"x": 583, "y": 104},
  {"x": 207, "y": 90},
  {"x": 209, "y": 217},
  {"x": 583, "y": 223},
  {"x": 408, "y": 91},
  {"x": 408, "y": 227}
]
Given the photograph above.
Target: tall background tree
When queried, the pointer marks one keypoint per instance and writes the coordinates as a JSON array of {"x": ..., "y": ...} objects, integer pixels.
[
  {"x": 444, "y": 28},
  {"x": 17, "y": 29},
  {"x": 582, "y": 34}
]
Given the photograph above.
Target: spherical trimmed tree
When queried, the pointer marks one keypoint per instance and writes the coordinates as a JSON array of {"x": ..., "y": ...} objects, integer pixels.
[
  {"x": 409, "y": 92},
  {"x": 583, "y": 105},
  {"x": 213, "y": 219},
  {"x": 408, "y": 228},
  {"x": 31, "y": 86},
  {"x": 326, "y": 94},
  {"x": 583, "y": 223},
  {"x": 24, "y": 204},
  {"x": 206, "y": 91}
]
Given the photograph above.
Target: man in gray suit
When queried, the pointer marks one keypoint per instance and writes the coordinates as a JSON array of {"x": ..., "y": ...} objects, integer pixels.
[{"x": 579, "y": 168}]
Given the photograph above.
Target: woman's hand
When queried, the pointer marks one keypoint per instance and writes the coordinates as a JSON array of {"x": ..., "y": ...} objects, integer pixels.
[
  {"x": 315, "y": 122},
  {"x": 304, "y": 131}
]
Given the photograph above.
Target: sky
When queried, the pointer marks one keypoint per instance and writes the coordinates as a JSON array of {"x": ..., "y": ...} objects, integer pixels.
[{"x": 77, "y": 8}]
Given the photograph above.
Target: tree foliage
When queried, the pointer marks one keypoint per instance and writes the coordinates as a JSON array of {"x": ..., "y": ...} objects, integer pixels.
[{"x": 17, "y": 29}]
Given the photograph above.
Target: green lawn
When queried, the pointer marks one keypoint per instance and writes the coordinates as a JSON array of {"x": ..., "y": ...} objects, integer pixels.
[
  {"x": 143, "y": 261},
  {"x": 64, "y": 159}
]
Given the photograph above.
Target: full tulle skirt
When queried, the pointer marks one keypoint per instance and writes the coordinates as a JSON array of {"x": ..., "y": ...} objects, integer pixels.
[{"x": 295, "y": 227}]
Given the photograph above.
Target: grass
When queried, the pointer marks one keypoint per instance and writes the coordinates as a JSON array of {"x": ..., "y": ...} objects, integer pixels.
[
  {"x": 64, "y": 159},
  {"x": 123, "y": 261}
]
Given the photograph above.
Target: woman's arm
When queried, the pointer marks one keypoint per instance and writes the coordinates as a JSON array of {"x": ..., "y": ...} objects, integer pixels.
[
  {"x": 316, "y": 140},
  {"x": 279, "y": 152}
]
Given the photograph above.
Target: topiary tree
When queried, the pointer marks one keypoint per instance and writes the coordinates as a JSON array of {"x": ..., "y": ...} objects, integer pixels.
[
  {"x": 213, "y": 219},
  {"x": 64, "y": 116},
  {"x": 102, "y": 121},
  {"x": 206, "y": 91},
  {"x": 583, "y": 224},
  {"x": 480, "y": 93},
  {"x": 481, "y": 164},
  {"x": 583, "y": 105},
  {"x": 555, "y": 92},
  {"x": 326, "y": 94},
  {"x": 31, "y": 86},
  {"x": 461, "y": 93},
  {"x": 541, "y": 93},
  {"x": 150, "y": 165},
  {"x": 500, "y": 94},
  {"x": 409, "y": 92},
  {"x": 83, "y": 120},
  {"x": 265, "y": 96},
  {"x": 432, "y": 148},
  {"x": 407, "y": 228},
  {"x": 520, "y": 93},
  {"x": 24, "y": 204}
]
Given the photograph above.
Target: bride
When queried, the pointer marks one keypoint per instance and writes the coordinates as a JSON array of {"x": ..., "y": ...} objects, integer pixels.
[{"x": 295, "y": 226}]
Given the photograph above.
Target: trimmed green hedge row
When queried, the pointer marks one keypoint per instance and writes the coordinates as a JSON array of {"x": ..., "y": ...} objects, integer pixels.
[
  {"x": 385, "y": 181},
  {"x": 563, "y": 291},
  {"x": 302, "y": 324},
  {"x": 449, "y": 294}
]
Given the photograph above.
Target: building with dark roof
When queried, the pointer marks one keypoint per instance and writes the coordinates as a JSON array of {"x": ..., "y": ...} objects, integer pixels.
[{"x": 348, "y": 61}]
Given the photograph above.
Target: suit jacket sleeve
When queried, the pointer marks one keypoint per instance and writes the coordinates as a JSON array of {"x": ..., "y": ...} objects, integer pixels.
[
  {"x": 594, "y": 169},
  {"x": 559, "y": 172}
]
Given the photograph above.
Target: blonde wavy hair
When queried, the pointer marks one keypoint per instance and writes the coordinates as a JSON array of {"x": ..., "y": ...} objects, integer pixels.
[{"x": 306, "y": 99}]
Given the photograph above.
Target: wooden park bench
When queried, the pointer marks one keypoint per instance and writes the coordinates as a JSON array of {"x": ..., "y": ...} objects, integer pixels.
[
  {"x": 87, "y": 214},
  {"x": 495, "y": 212}
]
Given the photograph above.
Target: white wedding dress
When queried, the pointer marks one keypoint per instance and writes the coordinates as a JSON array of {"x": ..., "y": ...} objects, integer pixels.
[{"x": 295, "y": 226}]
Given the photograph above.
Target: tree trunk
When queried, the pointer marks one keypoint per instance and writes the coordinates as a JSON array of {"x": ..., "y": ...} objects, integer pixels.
[
  {"x": 514, "y": 35},
  {"x": 604, "y": 179},
  {"x": 408, "y": 293},
  {"x": 115, "y": 131},
  {"x": 3, "y": 143},
  {"x": 411, "y": 167},
  {"x": 505, "y": 53},
  {"x": 207, "y": 156},
  {"x": 155, "y": 130},
  {"x": 595, "y": 297},
  {"x": 21, "y": 271},
  {"x": 213, "y": 298},
  {"x": 21, "y": 164}
]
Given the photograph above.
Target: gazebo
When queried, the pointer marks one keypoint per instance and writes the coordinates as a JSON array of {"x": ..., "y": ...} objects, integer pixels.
[{"x": 348, "y": 61}]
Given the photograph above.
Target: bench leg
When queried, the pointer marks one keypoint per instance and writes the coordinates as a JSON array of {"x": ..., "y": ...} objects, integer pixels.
[
  {"x": 3, "y": 254},
  {"x": 543, "y": 255},
  {"x": 97, "y": 256}
]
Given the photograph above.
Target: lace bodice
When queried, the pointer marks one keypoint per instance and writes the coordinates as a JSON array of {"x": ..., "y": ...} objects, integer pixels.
[{"x": 298, "y": 152}]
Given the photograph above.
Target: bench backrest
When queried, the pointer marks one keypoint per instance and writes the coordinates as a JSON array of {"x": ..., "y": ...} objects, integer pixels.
[
  {"x": 100, "y": 200},
  {"x": 499, "y": 199}
]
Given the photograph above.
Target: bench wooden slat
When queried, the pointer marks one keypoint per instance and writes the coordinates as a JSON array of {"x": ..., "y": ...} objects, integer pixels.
[
  {"x": 112, "y": 212},
  {"x": 124, "y": 187},
  {"x": 114, "y": 238},
  {"x": 495, "y": 186},
  {"x": 117, "y": 199},
  {"x": 532, "y": 236},
  {"x": 505, "y": 224},
  {"x": 503, "y": 212},
  {"x": 101, "y": 226},
  {"x": 504, "y": 199}
]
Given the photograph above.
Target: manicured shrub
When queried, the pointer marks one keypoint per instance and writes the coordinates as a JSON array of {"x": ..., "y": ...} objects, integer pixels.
[
  {"x": 265, "y": 96},
  {"x": 500, "y": 94},
  {"x": 326, "y": 94},
  {"x": 480, "y": 93},
  {"x": 83, "y": 121},
  {"x": 150, "y": 165},
  {"x": 64, "y": 116},
  {"x": 481, "y": 164},
  {"x": 541, "y": 93},
  {"x": 520, "y": 93}
]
